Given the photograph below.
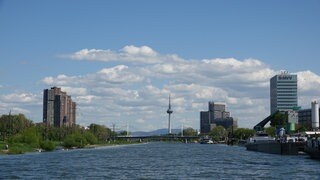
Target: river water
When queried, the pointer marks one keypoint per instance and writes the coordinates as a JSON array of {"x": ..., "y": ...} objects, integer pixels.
[{"x": 158, "y": 161}]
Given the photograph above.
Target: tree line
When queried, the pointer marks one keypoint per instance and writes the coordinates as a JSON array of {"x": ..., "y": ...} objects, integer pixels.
[
  {"x": 17, "y": 129},
  {"x": 220, "y": 134}
]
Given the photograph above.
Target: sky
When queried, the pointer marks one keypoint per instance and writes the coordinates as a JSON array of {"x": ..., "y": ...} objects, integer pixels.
[{"x": 120, "y": 60}]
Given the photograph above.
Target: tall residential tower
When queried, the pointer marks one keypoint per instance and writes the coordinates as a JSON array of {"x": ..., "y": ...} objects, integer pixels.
[
  {"x": 283, "y": 92},
  {"x": 58, "y": 108}
]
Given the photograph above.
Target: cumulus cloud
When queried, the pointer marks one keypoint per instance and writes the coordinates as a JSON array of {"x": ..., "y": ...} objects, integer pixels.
[
  {"x": 249, "y": 71},
  {"x": 309, "y": 82},
  {"x": 118, "y": 74},
  {"x": 132, "y": 54},
  {"x": 308, "y": 88},
  {"x": 74, "y": 91},
  {"x": 85, "y": 99},
  {"x": 142, "y": 51},
  {"x": 140, "y": 92},
  {"x": 115, "y": 75},
  {"x": 18, "y": 110},
  {"x": 29, "y": 104},
  {"x": 135, "y": 90},
  {"x": 93, "y": 54},
  {"x": 19, "y": 98}
]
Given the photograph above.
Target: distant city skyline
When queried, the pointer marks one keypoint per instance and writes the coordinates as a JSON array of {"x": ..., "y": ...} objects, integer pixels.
[{"x": 119, "y": 60}]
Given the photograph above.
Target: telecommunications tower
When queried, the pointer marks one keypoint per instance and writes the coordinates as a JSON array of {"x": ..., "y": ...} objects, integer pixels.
[{"x": 169, "y": 111}]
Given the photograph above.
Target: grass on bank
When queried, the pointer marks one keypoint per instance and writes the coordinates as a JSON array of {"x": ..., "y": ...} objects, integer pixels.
[{"x": 21, "y": 148}]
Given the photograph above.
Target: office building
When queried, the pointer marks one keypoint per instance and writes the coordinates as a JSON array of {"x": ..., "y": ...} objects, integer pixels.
[
  {"x": 58, "y": 108},
  {"x": 215, "y": 116},
  {"x": 283, "y": 92},
  {"x": 307, "y": 117}
]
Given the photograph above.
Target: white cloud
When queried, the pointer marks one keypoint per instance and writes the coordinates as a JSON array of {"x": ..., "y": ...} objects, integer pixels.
[
  {"x": 19, "y": 98},
  {"x": 85, "y": 99},
  {"x": 140, "y": 121},
  {"x": 249, "y": 71},
  {"x": 61, "y": 80},
  {"x": 308, "y": 88},
  {"x": 141, "y": 51},
  {"x": 115, "y": 75},
  {"x": 74, "y": 91},
  {"x": 94, "y": 54},
  {"x": 309, "y": 82},
  {"x": 118, "y": 74},
  {"x": 18, "y": 110},
  {"x": 132, "y": 54},
  {"x": 29, "y": 104},
  {"x": 141, "y": 92},
  {"x": 136, "y": 90}
]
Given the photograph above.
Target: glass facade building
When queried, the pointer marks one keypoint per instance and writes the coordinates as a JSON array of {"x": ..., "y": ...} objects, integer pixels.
[{"x": 283, "y": 92}]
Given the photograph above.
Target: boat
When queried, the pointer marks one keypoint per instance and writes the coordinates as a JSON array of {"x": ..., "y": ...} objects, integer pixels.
[
  {"x": 283, "y": 145},
  {"x": 206, "y": 140},
  {"x": 312, "y": 147}
]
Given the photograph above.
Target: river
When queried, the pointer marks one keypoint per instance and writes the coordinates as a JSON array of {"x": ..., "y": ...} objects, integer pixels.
[{"x": 158, "y": 161}]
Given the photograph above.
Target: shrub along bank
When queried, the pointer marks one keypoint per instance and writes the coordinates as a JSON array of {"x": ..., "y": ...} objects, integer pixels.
[{"x": 19, "y": 135}]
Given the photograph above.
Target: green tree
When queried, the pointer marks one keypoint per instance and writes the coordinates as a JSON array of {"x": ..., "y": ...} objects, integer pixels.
[
  {"x": 271, "y": 131},
  {"x": 74, "y": 140},
  {"x": 47, "y": 145},
  {"x": 243, "y": 133},
  {"x": 189, "y": 132},
  {"x": 59, "y": 133},
  {"x": 13, "y": 124},
  {"x": 218, "y": 133},
  {"x": 302, "y": 128},
  {"x": 101, "y": 132},
  {"x": 29, "y": 136},
  {"x": 90, "y": 138},
  {"x": 122, "y": 133},
  {"x": 279, "y": 119}
]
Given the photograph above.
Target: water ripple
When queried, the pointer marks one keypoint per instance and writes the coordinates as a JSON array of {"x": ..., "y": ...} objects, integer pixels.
[{"x": 158, "y": 161}]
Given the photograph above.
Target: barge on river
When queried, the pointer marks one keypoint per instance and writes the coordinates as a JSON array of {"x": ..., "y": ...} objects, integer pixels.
[
  {"x": 312, "y": 147},
  {"x": 284, "y": 146}
]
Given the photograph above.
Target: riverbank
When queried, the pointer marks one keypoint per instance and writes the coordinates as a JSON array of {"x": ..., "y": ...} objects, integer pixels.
[
  {"x": 22, "y": 148},
  {"x": 15, "y": 148}
]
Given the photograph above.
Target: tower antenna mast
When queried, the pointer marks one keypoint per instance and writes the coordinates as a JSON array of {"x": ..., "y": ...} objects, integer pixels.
[{"x": 169, "y": 111}]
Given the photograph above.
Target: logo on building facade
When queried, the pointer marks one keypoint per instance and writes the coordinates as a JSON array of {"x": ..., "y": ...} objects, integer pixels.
[{"x": 283, "y": 77}]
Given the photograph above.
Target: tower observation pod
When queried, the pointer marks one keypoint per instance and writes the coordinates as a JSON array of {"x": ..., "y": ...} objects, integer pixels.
[
  {"x": 169, "y": 111},
  {"x": 315, "y": 115}
]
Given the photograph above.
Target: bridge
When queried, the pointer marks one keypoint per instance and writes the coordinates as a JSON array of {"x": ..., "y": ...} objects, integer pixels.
[
  {"x": 271, "y": 117},
  {"x": 158, "y": 138},
  {"x": 261, "y": 124}
]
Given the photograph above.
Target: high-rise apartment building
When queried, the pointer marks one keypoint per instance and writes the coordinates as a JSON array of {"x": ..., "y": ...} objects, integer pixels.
[
  {"x": 283, "y": 92},
  {"x": 58, "y": 108}
]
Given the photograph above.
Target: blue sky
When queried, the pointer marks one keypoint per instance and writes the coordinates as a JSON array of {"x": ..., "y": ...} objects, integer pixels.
[{"x": 38, "y": 39}]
